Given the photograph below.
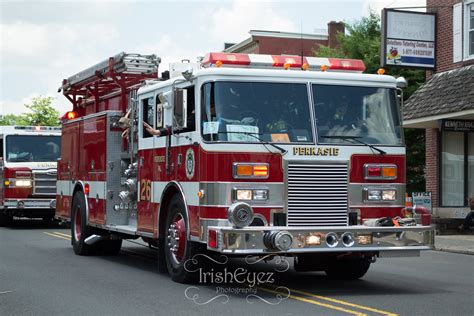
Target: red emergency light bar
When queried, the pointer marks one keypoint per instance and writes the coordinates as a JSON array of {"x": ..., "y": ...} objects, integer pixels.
[{"x": 282, "y": 61}]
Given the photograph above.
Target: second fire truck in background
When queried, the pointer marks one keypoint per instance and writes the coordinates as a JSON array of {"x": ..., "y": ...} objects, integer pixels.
[{"x": 28, "y": 161}]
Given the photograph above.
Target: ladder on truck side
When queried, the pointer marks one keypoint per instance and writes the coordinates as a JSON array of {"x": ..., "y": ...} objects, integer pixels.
[{"x": 118, "y": 74}]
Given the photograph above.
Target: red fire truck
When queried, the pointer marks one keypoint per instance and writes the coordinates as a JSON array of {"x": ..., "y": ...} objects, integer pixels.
[
  {"x": 243, "y": 155},
  {"x": 28, "y": 158}
]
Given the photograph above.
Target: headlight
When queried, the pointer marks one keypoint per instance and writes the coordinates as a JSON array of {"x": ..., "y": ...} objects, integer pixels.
[
  {"x": 23, "y": 183},
  {"x": 260, "y": 195},
  {"x": 389, "y": 195},
  {"x": 251, "y": 194},
  {"x": 374, "y": 195},
  {"x": 243, "y": 195}
]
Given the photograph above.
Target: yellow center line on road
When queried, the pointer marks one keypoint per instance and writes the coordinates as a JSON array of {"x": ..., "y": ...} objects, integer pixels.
[
  {"x": 370, "y": 309},
  {"x": 57, "y": 236},
  {"x": 310, "y": 301},
  {"x": 62, "y": 234},
  {"x": 295, "y": 297}
]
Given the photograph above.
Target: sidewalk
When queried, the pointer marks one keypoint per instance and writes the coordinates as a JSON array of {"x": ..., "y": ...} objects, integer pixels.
[{"x": 455, "y": 243}]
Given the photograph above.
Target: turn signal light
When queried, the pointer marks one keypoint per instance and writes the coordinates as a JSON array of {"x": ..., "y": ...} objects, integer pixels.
[
  {"x": 389, "y": 172},
  {"x": 260, "y": 171},
  {"x": 380, "y": 172},
  {"x": 250, "y": 170}
]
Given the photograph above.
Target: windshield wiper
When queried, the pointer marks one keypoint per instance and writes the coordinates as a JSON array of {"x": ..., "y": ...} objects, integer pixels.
[
  {"x": 356, "y": 139},
  {"x": 283, "y": 151}
]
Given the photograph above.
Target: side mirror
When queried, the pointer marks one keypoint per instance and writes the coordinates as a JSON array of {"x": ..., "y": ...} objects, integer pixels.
[
  {"x": 188, "y": 74},
  {"x": 166, "y": 102},
  {"x": 165, "y": 99},
  {"x": 180, "y": 108},
  {"x": 401, "y": 82}
]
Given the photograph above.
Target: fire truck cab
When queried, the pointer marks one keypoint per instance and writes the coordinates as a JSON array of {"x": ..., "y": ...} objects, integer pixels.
[
  {"x": 243, "y": 155},
  {"x": 28, "y": 158}
]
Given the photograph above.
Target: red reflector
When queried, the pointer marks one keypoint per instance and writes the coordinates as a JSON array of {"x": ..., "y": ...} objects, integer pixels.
[
  {"x": 86, "y": 189},
  {"x": 212, "y": 239},
  {"x": 374, "y": 171},
  {"x": 346, "y": 64},
  {"x": 227, "y": 59}
]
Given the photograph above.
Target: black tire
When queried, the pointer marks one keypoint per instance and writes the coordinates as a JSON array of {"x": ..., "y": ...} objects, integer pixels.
[
  {"x": 5, "y": 220},
  {"x": 162, "y": 266},
  {"x": 79, "y": 229},
  {"x": 348, "y": 269},
  {"x": 175, "y": 260}
]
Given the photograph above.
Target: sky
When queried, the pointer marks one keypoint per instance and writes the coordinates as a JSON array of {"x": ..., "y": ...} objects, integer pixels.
[{"x": 45, "y": 41}]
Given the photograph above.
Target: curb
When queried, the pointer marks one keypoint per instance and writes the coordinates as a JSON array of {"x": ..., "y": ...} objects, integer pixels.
[{"x": 458, "y": 251}]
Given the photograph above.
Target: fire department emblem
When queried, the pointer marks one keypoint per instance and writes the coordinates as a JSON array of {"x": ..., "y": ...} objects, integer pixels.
[{"x": 190, "y": 163}]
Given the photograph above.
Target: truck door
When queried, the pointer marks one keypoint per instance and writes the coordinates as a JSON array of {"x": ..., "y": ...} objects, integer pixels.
[
  {"x": 145, "y": 164},
  {"x": 67, "y": 167},
  {"x": 185, "y": 152}
]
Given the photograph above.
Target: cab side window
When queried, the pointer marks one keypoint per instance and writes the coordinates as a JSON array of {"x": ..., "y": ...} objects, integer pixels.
[
  {"x": 190, "y": 111},
  {"x": 148, "y": 115}
]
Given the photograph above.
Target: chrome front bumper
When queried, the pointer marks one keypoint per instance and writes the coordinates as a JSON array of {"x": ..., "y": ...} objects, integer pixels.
[
  {"x": 387, "y": 240},
  {"x": 30, "y": 203}
]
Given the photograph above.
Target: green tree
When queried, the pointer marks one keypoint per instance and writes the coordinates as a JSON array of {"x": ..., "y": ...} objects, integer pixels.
[
  {"x": 363, "y": 42},
  {"x": 12, "y": 119},
  {"x": 42, "y": 112}
]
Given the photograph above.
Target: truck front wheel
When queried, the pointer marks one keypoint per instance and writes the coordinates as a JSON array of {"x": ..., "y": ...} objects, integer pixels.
[
  {"x": 79, "y": 229},
  {"x": 347, "y": 269},
  {"x": 177, "y": 248}
]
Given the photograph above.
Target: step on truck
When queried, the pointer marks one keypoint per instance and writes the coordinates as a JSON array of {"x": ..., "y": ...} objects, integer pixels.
[
  {"x": 28, "y": 161},
  {"x": 239, "y": 155}
]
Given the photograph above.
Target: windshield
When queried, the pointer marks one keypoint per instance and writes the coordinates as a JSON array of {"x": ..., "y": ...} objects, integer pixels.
[
  {"x": 249, "y": 111},
  {"x": 22, "y": 148},
  {"x": 368, "y": 113}
]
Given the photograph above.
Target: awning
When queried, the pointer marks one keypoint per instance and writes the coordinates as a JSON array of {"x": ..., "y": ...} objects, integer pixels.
[{"x": 447, "y": 95}]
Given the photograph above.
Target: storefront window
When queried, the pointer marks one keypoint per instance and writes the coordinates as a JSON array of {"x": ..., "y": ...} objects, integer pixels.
[
  {"x": 452, "y": 169},
  {"x": 470, "y": 162}
]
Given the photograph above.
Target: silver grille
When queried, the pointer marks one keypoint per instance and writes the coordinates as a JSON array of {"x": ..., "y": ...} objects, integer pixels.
[
  {"x": 44, "y": 182},
  {"x": 317, "y": 194}
]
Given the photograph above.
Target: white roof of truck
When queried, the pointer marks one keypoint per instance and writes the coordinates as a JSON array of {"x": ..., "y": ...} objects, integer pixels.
[{"x": 30, "y": 130}]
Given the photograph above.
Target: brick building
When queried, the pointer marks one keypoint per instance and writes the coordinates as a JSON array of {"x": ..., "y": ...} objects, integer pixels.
[
  {"x": 444, "y": 106},
  {"x": 286, "y": 43}
]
